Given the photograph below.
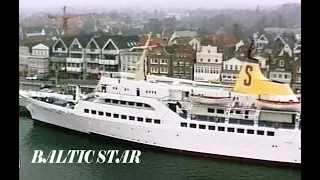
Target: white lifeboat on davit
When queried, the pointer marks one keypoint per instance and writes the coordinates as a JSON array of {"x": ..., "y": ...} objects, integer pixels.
[
  {"x": 276, "y": 103},
  {"x": 218, "y": 98}
]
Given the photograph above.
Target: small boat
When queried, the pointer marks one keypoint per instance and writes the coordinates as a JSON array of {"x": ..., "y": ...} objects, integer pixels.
[
  {"x": 210, "y": 100},
  {"x": 279, "y": 105}
]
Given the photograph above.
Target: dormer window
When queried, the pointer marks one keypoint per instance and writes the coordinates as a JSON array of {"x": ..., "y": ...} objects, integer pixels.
[{"x": 281, "y": 63}]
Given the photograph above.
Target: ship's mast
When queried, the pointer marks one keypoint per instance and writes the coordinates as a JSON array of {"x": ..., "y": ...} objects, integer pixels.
[{"x": 140, "y": 72}]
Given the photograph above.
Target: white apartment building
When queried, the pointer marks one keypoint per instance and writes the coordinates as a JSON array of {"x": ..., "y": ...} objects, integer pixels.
[
  {"x": 39, "y": 60},
  {"x": 231, "y": 70},
  {"x": 208, "y": 65}
]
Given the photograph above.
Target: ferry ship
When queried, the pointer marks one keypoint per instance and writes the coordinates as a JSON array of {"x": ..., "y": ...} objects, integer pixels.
[{"x": 259, "y": 120}]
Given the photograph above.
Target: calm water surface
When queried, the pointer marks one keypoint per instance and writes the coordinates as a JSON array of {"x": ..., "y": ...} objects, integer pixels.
[{"x": 153, "y": 166}]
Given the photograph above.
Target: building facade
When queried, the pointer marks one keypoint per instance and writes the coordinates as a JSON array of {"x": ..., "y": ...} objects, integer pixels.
[
  {"x": 231, "y": 70},
  {"x": 208, "y": 64}
]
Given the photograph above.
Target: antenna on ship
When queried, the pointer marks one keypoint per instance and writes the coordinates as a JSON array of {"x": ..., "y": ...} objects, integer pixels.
[
  {"x": 140, "y": 73},
  {"x": 250, "y": 58}
]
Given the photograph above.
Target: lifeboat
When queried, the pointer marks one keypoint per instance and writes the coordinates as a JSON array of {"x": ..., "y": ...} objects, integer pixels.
[
  {"x": 284, "y": 105},
  {"x": 210, "y": 100}
]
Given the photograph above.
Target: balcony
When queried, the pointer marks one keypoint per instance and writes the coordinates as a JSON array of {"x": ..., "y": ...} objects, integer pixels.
[
  {"x": 75, "y": 50},
  {"x": 108, "y": 61},
  {"x": 74, "y": 60},
  {"x": 58, "y": 59},
  {"x": 75, "y": 69},
  {"x": 93, "y": 71},
  {"x": 92, "y": 60},
  {"x": 59, "y": 50},
  {"x": 110, "y": 52},
  {"x": 93, "y": 51}
]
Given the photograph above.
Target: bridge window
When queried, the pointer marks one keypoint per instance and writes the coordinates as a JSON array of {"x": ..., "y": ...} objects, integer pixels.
[
  {"x": 183, "y": 124},
  {"x": 86, "y": 110},
  {"x": 270, "y": 133},
  {"x": 260, "y": 132},
  {"x": 148, "y": 120},
  {"x": 201, "y": 126},
  {"x": 123, "y": 102},
  {"x": 250, "y": 131},
  {"x": 221, "y": 128},
  {"x": 240, "y": 130},
  {"x": 193, "y": 125},
  {"x": 147, "y": 105},
  {"x": 115, "y": 101},
  {"x": 157, "y": 121},
  {"x": 107, "y": 100},
  {"x": 131, "y": 103},
  {"x": 139, "y": 104},
  {"x": 220, "y": 111}
]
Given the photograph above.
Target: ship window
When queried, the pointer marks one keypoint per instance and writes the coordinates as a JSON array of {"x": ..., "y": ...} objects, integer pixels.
[
  {"x": 212, "y": 127},
  {"x": 107, "y": 100},
  {"x": 221, "y": 128},
  {"x": 201, "y": 126},
  {"x": 100, "y": 113},
  {"x": 193, "y": 125},
  {"x": 260, "y": 132},
  {"x": 93, "y": 112},
  {"x": 230, "y": 129},
  {"x": 140, "y": 119},
  {"x": 183, "y": 124},
  {"x": 131, "y": 103},
  {"x": 250, "y": 131},
  {"x": 210, "y": 110},
  {"x": 157, "y": 121},
  {"x": 86, "y": 110},
  {"x": 116, "y": 115},
  {"x": 108, "y": 114},
  {"x": 147, "y": 105},
  {"x": 220, "y": 111},
  {"x": 240, "y": 130},
  {"x": 115, "y": 101},
  {"x": 123, "y": 117},
  {"x": 131, "y": 118},
  {"x": 123, "y": 102},
  {"x": 270, "y": 133},
  {"x": 238, "y": 112},
  {"x": 148, "y": 120},
  {"x": 139, "y": 104}
]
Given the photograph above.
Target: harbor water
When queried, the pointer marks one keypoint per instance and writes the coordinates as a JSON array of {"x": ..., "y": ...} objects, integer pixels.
[{"x": 154, "y": 165}]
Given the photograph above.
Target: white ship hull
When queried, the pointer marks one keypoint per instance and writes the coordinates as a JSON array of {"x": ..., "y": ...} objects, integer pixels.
[
  {"x": 267, "y": 149},
  {"x": 22, "y": 102}
]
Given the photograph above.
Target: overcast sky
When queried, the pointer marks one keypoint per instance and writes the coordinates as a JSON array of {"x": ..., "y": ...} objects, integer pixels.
[{"x": 154, "y": 4}]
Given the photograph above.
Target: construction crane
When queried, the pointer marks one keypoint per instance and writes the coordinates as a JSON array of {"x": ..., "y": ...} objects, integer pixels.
[{"x": 63, "y": 19}]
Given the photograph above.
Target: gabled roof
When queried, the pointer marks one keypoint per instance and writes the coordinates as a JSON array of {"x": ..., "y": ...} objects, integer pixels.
[
  {"x": 29, "y": 30},
  {"x": 101, "y": 40},
  {"x": 48, "y": 43},
  {"x": 183, "y": 40},
  {"x": 125, "y": 42},
  {"x": 84, "y": 40},
  {"x": 68, "y": 40}
]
